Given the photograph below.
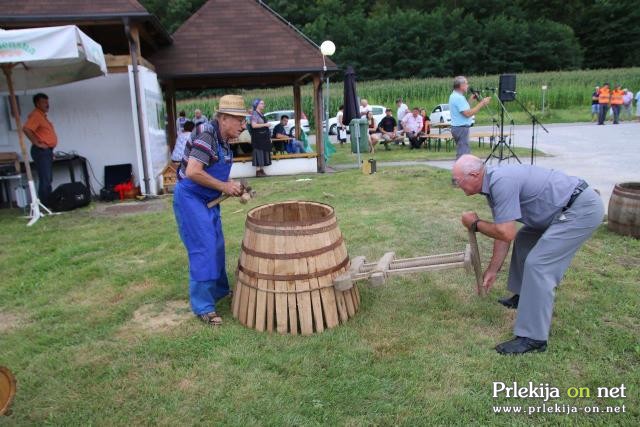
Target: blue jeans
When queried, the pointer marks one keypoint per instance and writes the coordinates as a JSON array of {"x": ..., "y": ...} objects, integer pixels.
[
  {"x": 294, "y": 147},
  {"x": 43, "y": 158},
  {"x": 204, "y": 295}
]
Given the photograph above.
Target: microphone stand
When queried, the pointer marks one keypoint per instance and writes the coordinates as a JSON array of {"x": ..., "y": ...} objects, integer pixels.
[
  {"x": 534, "y": 121},
  {"x": 501, "y": 143}
]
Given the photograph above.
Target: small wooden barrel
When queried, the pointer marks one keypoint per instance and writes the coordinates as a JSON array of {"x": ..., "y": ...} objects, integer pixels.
[
  {"x": 624, "y": 209},
  {"x": 291, "y": 252},
  {"x": 7, "y": 389}
]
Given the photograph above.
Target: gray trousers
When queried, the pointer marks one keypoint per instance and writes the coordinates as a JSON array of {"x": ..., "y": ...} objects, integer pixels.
[
  {"x": 460, "y": 135},
  {"x": 541, "y": 257}
]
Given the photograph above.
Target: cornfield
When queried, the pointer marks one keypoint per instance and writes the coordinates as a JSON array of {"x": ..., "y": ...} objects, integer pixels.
[{"x": 564, "y": 90}]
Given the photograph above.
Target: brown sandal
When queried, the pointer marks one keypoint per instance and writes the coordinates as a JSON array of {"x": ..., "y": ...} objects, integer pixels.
[{"x": 211, "y": 318}]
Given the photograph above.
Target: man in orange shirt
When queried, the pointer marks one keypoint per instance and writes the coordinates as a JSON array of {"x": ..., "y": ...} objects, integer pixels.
[
  {"x": 43, "y": 136},
  {"x": 617, "y": 99}
]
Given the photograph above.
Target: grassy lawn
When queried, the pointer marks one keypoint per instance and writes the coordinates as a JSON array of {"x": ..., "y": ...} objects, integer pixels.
[
  {"x": 343, "y": 154},
  {"x": 82, "y": 295}
]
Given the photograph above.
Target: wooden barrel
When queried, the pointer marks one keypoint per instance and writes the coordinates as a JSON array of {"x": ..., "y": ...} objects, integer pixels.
[
  {"x": 7, "y": 389},
  {"x": 624, "y": 209},
  {"x": 291, "y": 252}
]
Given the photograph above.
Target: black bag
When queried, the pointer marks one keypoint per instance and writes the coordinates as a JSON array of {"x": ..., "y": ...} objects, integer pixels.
[
  {"x": 68, "y": 197},
  {"x": 261, "y": 137}
]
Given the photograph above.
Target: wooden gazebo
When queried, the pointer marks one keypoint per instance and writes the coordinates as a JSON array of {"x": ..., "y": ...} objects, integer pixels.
[{"x": 242, "y": 44}]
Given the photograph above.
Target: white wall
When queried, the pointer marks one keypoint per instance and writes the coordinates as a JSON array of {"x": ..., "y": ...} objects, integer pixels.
[
  {"x": 92, "y": 118},
  {"x": 96, "y": 119}
]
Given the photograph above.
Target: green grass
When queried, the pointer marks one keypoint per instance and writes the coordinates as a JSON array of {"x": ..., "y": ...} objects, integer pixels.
[
  {"x": 418, "y": 352},
  {"x": 343, "y": 153}
]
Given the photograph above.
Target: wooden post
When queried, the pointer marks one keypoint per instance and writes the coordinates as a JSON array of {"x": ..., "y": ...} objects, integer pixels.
[
  {"x": 135, "y": 33},
  {"x": 170, "y": 102},
  {"x": 297, "y": 107},
  {"x": 318, "y": 114}
]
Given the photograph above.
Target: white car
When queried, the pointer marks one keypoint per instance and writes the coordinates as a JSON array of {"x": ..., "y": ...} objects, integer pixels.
[
  {"x": 441, "y": 114},
  {"x": 378, "y": 114},
  {"x": 273, "y": 117}
]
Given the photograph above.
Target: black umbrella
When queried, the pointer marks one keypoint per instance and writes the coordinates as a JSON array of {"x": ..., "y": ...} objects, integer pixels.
[{"x": 351, "y": 104}]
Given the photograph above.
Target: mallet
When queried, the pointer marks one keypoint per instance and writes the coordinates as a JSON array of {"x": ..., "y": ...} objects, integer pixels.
[
  {"x": 377, "y": 272},
  {"x": 247, "y": 194}
]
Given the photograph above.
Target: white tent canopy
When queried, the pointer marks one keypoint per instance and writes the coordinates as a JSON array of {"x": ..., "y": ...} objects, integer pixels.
[
  {"x": 42, "y": 57},
  {"x": 49, "y": 56}
]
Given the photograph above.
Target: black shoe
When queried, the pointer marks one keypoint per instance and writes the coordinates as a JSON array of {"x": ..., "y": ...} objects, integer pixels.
[
  {"x": 521, "y": 345},
  {"x": 510, "y": 302}
]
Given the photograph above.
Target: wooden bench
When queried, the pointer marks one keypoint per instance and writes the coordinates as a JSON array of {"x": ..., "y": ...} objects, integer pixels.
[
  {"x": 282, "y": 164},
  {"x": 446, "y": 137},
  {"x": 242, "y": 159},
  {"x": 480, "y": 136},
  {"x": 279, "y": 144}
]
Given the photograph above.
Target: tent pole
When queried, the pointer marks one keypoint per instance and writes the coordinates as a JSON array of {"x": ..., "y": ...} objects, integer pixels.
[
  {"x": 170, "y": 101},
  {"x": 35, "y": 202}
]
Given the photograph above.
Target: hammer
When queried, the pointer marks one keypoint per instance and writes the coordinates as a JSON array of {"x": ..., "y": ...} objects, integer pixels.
[{"x": 247, "y": 194}]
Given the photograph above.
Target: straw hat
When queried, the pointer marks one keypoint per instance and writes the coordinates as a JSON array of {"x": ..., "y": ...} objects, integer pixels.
[{"x": 232, "y": 105}]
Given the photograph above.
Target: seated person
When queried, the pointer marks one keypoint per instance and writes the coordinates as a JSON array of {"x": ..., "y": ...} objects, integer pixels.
[
  {"x": 388, "y": 130},
  {"x": 293, "y": 146},
  {"x": 426, "y": 126},
  {"x": 181, "y": 142},
  {"x": 412, "y": 125},
  {"x": 374, "y": 137}
]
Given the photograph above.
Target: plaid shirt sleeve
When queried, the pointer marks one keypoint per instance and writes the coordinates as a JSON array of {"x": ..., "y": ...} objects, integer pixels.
[{"x": 204, "y": 149}]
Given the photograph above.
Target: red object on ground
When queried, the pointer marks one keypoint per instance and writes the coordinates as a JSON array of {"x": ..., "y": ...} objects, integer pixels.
[{"x": 123, "y": 188}]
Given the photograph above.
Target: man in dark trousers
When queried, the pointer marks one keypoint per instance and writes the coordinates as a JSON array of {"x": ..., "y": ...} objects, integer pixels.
[
  {"x": 43, "y": 136},
  {"x": 604, "y": 97},
  {"x": 559, "y": 213}
]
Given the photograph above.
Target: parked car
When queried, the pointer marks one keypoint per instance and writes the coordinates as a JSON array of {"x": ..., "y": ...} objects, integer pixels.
[
  {"x": 273, "y": 117},
  {"x": 378, "y": 114},
  {"x": 441, "y": 114}
]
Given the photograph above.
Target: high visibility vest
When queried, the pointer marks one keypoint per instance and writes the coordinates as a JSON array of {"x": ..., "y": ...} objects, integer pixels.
[
  {"x": 603, "y": 96},
  {"x": 617, "y": 97}
]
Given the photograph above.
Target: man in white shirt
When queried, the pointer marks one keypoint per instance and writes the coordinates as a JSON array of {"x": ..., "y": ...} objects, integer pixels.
[
  {"x": 402, "y": 111},
  {"x": 412, "y": 125},
  {"x": 341, "y": 127},
  {"x": 181, "y": 142},
  {"x": 364, "y": 108}
]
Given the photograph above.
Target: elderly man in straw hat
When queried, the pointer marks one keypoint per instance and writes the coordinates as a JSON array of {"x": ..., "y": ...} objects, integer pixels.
[{"x": 203, "y": 175}]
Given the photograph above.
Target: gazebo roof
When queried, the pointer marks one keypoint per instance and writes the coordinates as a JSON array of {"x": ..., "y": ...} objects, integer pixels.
[
  {"x": 230, "y": 43},
  {"x": 102, "y": 20},
  {"x": 49, "y": 8}
]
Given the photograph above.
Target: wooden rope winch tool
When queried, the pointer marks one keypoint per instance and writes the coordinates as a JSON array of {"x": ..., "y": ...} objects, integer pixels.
[
  {"x": 378, "y": 272},
  {"x": 247, "y": 194}
]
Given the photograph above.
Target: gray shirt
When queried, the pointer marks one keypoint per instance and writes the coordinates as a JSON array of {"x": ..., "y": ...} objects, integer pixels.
[{"x": 527, "y": 194}]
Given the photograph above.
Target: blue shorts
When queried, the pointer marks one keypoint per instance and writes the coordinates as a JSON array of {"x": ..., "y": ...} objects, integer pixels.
[{"x": 595, "y": 108}]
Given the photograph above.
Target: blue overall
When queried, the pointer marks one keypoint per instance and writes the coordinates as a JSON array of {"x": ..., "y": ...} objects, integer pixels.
[{"x": 200, "y": 229}]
